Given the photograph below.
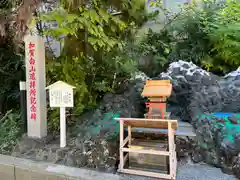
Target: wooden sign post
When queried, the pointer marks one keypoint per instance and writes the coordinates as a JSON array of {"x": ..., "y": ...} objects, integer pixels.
[
  {"x": 61, "y": 95},
  {"x": 35, "y": 86}
]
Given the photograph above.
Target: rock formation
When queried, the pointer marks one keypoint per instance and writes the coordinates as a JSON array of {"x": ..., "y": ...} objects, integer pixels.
[
  {"x": 197, "y": 96},
  {"x": 93, "y": 142}
]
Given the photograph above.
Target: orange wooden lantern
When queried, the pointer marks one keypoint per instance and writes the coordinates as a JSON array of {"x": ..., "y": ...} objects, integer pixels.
[{"x": 157, "y": 91}]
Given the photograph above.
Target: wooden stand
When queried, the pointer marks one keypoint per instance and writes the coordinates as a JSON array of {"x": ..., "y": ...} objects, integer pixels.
[
  {"x": 170, "y": 125},
  {"x": 148, "y": 161}
]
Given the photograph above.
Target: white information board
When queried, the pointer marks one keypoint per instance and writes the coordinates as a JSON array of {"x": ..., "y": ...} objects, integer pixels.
[
  {"x": 61, "y": 94},
  {"x": 61, "y": 97}
]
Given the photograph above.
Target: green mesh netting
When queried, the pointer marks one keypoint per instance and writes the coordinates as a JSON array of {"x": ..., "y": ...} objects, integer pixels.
[
  {"x": 227, "y": 125},
  {"x": 107, "y": 127}
]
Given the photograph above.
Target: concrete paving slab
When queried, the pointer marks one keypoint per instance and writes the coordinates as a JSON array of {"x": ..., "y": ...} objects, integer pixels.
[
  {"x": 37, "y": 175},
  {"x": 30, "y": 170},
  {"x": 7, "y": 172},
  {"x": 83, "y": 174},
  {"x": 52, "y": 176},
  {"x": 22, "y": 174}
]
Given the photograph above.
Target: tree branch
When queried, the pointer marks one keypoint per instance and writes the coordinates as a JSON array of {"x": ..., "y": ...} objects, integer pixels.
[{"x": 18, "y": 18}]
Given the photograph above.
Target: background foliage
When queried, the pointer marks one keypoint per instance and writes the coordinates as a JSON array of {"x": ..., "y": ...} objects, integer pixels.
[
  {"x": 11, "y": 64},
  {"x": 100, "y": 49},
  {"x": 93, "y": 37},
  {"x": 207, "y": 35},
  {"x": 11, "y": 130}
]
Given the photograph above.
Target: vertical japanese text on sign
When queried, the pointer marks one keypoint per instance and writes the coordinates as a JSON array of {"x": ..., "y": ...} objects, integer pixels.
[{"x": 32, "y": 81}]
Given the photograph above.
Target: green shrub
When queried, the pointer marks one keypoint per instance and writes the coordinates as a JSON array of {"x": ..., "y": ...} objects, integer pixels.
[
  {"x": 154, "y": 50},
  {"x": 11, "y": 72},
  {"x": 11, "y": 131},
  {"x": 225, "y": 37},
  {"x": 92, "y": 57},
  {"x": 207, "y": 35}
]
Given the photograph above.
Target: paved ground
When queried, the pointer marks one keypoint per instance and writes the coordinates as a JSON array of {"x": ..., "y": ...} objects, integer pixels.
[
  {"x": 14, "y": 168},
  {"x": 192, "y": 172},
  {"x": 201, "y": 172},
  {"x": 186, "y": 171}
]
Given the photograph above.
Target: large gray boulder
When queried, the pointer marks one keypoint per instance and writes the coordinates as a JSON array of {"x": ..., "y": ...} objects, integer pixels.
[
  {"x": 197, "y": 94},
  {"x": 230, "y": 86},
  {"x": 188, "y": 79}
]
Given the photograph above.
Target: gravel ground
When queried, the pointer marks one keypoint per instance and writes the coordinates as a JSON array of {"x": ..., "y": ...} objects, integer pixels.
[{"x": 190, "y": 171}]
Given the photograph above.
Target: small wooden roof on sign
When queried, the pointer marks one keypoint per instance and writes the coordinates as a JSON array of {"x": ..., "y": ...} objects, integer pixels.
[
  {"x": 60, "y": 85},
  {"x": 149, "y": 123},
  {"x": 157, "y": 88}
]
